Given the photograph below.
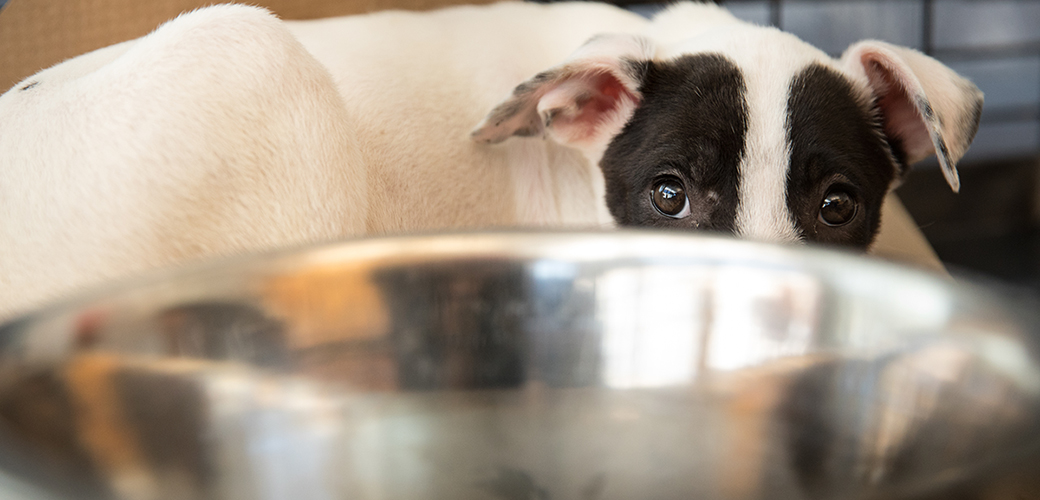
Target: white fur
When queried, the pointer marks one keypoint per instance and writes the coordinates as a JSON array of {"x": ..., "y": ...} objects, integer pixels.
[
  {"x": 228, "y": 131},
  {"x": 220, "y": 134},
  {"x": 686, "y": 20},
  {"x": 215, "y": 135}
]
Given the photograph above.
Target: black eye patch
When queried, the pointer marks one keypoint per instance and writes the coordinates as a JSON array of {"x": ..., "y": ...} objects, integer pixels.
[
  {"x": 836, "y": 144},
  {"x": 691, "y": 125}
]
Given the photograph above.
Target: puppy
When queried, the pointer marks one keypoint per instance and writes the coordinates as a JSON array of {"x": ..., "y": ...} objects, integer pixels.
[{"x": 228, "y": 131}]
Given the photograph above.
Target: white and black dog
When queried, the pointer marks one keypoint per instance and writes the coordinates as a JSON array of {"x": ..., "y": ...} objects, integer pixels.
[{"x": 229, "y": 131}]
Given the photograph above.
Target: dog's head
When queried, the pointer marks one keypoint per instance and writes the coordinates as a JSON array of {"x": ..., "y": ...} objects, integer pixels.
[{"x": 707, "y": 122}]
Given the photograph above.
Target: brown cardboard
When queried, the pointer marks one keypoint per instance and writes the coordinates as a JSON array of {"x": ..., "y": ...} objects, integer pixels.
[
  {"x": 900, "y": 239},
  {"x": 36, "y": 34}
]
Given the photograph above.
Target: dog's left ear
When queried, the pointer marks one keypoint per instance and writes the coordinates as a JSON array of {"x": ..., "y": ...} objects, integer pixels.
[
  {"x": 924, "y": 106},
  {"x": 583, "y": 102}
]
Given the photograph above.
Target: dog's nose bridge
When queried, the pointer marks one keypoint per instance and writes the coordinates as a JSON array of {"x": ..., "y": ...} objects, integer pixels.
[
  {"x": 762, "y": 211},
  {"x": 773, "y": 228}
]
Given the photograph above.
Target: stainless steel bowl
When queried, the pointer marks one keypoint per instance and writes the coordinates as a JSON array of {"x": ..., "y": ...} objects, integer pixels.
[{"x": 622, "y": 365}]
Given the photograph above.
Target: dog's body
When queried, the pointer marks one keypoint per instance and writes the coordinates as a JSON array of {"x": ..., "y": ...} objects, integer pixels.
[{"x": 228, "y": 131}]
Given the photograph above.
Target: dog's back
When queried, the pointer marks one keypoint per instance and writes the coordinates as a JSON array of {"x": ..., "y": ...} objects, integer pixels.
[
  {"x": 220, "y": 134},
  {"x": 215, "y": 135}
]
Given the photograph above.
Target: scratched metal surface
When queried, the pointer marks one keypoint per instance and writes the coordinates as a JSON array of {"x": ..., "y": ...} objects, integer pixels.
[{"x": 528, "y": 366}]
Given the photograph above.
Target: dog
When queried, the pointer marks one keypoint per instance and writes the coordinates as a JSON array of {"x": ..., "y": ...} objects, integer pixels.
[{"x": 229, "y": 131}]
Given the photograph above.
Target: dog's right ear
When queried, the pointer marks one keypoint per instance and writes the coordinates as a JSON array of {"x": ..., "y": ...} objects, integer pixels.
[
  {"x": 923, "y": 104},
  {"x": 583, "y": 102}
]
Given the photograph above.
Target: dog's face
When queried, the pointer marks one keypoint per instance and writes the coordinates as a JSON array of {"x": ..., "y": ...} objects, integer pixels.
[
  {"x": 765, "y": 140},
  {"x": 748, "y": 130}
]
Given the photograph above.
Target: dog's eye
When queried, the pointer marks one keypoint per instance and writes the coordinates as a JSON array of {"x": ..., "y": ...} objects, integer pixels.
[
  {"x": 669, "y": 198},
  {"x": 838, "y": 208}
]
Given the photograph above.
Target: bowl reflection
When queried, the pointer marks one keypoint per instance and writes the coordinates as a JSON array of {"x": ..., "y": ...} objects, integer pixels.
[{"x": 528, "y": 366}]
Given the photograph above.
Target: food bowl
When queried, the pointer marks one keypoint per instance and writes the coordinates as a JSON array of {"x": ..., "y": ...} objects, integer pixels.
[{"x": 622, "y": 365}]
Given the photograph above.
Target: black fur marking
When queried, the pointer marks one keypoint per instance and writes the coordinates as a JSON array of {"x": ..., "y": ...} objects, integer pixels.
[
  {"x": 899, "y": 153},
  {"x": 507, "y": 110},
  {"x": 944, "y": 152},
  {"x": 925, "y": 107},
  {"x": 835, "y": 141},
  {"x": 550, "y": 116},
  {"x": 29, "y": 86},
  {"x": 536, "y": 81},
  {"x": 527, "y": 132},
  {"x": 691, "y": 124}
]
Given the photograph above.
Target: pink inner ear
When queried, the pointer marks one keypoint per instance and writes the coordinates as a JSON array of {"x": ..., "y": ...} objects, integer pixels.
[
  {"x": 611, "y": 88},
  {"x": 898, "y": 95},
  {"x": 586, "y": 106}
]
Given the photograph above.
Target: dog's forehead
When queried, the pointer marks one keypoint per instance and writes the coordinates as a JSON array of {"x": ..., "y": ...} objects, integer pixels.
[{"x": 767, "y": 57}]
